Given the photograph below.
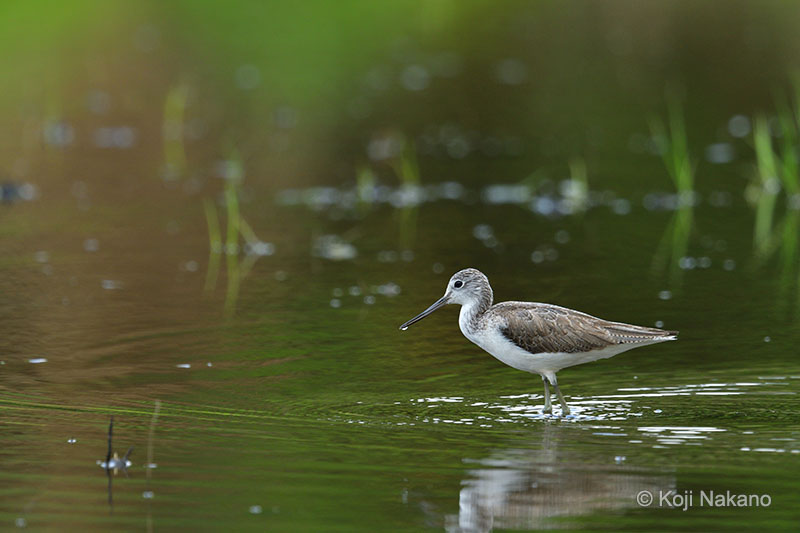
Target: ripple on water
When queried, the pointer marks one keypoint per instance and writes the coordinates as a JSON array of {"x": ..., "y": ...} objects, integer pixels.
[
  {"x": 604, "y": 415},
  {"x": 671, "y": 435}
]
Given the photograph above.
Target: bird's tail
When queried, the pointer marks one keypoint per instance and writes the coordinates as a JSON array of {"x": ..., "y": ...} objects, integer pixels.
[{"x": 629, "y": 333}]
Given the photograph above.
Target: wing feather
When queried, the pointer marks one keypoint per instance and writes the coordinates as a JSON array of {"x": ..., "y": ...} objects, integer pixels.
[{"x": 544, "y": 328}]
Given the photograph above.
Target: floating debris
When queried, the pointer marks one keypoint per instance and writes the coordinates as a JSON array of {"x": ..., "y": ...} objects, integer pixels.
[
  {"x": 388, "y": 289},
  {"x": 544, "y": 205},
  {"x": 739, "y": 126},
  {"x": 110, "y": 284},
  {"x": 122, "y": 137},
  {"x": 506, "y": 194},
  {"x": 147, "y": 38},
  {"x": 183, "y": 365},
  {"x": 37, "y": 360},
  {"x": 247, "y": 77},
  {"x": 482, "y": 232},
  {"x": 720, "y": 153},
  {"x": 621, "y": 206},
  {"x": 385, "y": 145},
  {"x": 720, "y": 199},
  {"x": 229, "y": 169},
  {"x": 485, "y": 234},
  {"x": 98, "y": 102},
  {"x": 259, "y": 248},
  {"x": 13, "y": 192},
  {"x": 659, "y": 201},
  {"x": 511, "y": 71},
  {"x": 407, "y": 195},
  {"x": 544, "y": 253},
  {"x": 334, "y": 248},
  {"x": 387, "y": 256},
  {"x": 91, "y": 245},
  {"x": 58, "y": 133},
  {"x": 415, "y": 78}
]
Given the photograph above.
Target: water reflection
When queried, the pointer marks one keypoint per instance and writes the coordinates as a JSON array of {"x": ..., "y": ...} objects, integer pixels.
[{"x": 544, "y": 487}]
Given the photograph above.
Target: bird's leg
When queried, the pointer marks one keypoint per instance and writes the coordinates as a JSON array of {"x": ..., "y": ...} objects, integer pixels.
[
  {"x": 564, "y": 407},
  {"x": 548, "y": 407}
]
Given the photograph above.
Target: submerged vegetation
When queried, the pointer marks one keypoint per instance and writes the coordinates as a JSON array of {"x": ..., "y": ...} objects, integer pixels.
[
  {"x": 239, "y": 236},
  {"x": 672, "y": 144},
  {"x": 776, "y": 171},
  {"x": 776, "y": 184}
]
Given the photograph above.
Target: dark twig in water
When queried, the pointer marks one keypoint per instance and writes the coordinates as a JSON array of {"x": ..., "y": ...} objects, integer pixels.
[
  {"x": 114, "y": 463},
  {"x": 110, "y": 436},
  {"x": 107, "y": 463}
]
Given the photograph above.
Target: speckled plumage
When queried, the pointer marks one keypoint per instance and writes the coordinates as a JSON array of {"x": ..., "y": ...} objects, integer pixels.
[{"x": 537, "y": 337}]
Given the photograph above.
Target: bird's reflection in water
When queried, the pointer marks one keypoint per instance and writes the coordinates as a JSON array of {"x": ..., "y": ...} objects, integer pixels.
[{"x": 543, "y": 488}]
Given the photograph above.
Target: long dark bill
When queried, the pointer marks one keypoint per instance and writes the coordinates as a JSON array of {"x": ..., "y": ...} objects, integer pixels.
[{"x": 439, "y": 303}]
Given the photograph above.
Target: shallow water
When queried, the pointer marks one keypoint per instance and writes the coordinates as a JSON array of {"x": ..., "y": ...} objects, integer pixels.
[
  {"x": 295, "y": 414},
  {"x": 265, "y": 384}
]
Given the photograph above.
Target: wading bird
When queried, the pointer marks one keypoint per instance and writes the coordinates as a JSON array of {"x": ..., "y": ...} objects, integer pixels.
[{"x": 536, "y": 337}]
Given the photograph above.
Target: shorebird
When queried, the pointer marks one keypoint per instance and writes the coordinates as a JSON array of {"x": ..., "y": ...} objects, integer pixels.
[{"x": 536, "y": 337}]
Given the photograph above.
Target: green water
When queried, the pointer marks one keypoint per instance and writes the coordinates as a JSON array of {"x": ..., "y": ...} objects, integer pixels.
[{"x": 272, "y": 390}]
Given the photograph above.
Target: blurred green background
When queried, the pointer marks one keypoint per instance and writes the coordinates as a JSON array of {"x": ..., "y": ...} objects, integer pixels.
[{"x": 301, "y": 89}]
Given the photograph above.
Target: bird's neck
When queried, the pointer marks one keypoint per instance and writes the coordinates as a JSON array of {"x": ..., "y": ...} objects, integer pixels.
[{"x": 472, "y": 311}]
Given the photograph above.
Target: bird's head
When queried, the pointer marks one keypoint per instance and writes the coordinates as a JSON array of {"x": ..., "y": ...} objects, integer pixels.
[{"x": 466, "y": 287}]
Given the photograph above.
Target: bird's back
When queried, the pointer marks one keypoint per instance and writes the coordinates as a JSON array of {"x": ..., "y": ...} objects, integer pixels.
[{"x": 546, "y": 328}]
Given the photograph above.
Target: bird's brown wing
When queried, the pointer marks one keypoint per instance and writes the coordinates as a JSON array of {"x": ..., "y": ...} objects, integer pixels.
[{"x": 543, "y": 328}]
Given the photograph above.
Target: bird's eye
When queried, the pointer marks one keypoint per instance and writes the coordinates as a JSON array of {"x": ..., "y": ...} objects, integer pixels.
[{"x": 458, "y": 284}]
